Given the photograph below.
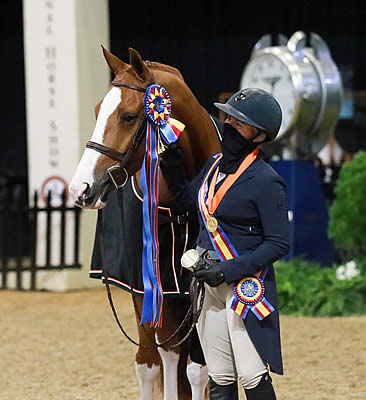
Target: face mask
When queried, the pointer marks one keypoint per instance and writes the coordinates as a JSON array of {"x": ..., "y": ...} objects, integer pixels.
[{"x": 234, "y": 148}]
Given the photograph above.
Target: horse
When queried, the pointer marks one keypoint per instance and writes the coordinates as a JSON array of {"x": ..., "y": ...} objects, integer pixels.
[{"x": 116, "y": 150}]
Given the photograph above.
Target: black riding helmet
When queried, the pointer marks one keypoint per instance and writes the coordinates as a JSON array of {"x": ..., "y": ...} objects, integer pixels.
[{"x": 255, "y": 107}]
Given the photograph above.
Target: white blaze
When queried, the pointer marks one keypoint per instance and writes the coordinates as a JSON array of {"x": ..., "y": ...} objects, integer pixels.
[{"x": 84, "y": 174}]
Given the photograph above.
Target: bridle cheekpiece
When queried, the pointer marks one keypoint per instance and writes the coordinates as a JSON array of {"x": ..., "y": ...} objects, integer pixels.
[{"x": 118, "y": 174}]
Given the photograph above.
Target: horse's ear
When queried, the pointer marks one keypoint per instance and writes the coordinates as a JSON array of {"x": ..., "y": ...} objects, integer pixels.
[
  {"x": 115, "y": 64},
  {"x": 138, "y": 65}
]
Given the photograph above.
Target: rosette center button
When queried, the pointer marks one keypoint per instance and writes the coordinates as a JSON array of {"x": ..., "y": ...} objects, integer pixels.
[{"x": 250, "y": 289}]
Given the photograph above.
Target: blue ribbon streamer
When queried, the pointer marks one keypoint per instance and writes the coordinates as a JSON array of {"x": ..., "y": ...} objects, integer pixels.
[
  {"x": 153, "y": 293},
  {"x": 153, "y": 296}
]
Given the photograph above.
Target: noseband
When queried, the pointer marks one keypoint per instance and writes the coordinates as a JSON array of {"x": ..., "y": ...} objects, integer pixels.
[{"x": 118, "y": 173}]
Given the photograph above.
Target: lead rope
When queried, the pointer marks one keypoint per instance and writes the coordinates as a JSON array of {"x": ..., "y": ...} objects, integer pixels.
[{"x": 197, "y": 291}]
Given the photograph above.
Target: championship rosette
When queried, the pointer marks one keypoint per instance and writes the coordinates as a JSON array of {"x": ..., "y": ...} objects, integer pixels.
[
  {"x": 249, "y": 295},
  {"x": 161, "y": 130}
]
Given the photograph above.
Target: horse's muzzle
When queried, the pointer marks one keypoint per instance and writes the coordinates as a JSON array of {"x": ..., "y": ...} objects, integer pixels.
[{"x": 95, "y": 196}]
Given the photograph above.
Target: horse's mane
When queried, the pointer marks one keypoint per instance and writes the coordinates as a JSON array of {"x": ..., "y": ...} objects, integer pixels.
[{"x": 164, "y": 67}]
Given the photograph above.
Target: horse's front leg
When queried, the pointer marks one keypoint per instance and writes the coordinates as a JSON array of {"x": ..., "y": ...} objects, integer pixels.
[
  {"x": 198, "y": 378},
  {"x": 197, "y": 372},
  {"x": 170, "y": 359},
  {"x": 147, "y": 361},
  {"x": 176, "y": 385}
]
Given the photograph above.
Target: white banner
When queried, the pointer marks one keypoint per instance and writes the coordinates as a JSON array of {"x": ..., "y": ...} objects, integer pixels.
[
  {"x": 52, "y": 91},
  {"x": 65, "y": 77}
]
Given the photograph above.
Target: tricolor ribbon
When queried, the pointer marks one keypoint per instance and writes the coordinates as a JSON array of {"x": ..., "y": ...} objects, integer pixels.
[
  {"x": 249, "y": 291},
  {"x": 249, "y": 295},
  {"x": 157, "y": 107}
]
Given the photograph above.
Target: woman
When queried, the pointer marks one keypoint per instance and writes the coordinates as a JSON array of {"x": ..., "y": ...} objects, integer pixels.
[{"x": 244, "y": 228}]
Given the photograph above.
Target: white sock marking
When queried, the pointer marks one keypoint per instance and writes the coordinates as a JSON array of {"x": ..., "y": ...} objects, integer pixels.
[
  {"x": 198, "y": 378},
  {"x": 146, "y": 377},
  {"x": 170, "y": 369}
]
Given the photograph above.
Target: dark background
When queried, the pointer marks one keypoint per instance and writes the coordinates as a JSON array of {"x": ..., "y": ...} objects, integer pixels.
[{"x": 210, "y": 44}]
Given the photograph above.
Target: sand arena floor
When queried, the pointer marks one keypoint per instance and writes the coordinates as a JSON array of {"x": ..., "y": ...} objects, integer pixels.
[{"x": 66, "y": 346}]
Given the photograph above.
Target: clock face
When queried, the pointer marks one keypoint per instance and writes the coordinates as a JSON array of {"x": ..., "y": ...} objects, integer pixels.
[{"x": 269, "y": 73}]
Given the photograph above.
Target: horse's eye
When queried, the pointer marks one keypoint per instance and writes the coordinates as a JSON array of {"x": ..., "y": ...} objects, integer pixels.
[{"x": 128, "y": 118}]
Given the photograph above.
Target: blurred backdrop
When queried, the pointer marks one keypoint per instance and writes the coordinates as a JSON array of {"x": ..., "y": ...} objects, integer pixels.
[{"x": 209, "y": 43}]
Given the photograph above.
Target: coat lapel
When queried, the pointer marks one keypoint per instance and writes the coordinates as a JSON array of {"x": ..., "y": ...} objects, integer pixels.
[{"x": 250, "y": 171}]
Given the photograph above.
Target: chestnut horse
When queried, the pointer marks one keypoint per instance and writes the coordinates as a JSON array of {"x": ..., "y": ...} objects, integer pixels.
[{"x": 120, "y": 117}]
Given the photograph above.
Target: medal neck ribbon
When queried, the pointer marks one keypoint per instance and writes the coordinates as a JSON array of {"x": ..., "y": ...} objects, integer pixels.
[
  {"x": 214, "y": 199},
  {"x": 208, "y": 202},
  {"x": 249, "y": 291}
]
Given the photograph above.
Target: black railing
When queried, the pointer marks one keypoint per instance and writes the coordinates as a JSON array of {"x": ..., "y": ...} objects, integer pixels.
[{"x": 19, "y": 236}]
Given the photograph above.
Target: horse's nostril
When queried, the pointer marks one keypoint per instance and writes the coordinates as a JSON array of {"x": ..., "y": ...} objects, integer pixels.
[
  {"x": 86, "y": 190},
  {"x": 84, "y": 193}
]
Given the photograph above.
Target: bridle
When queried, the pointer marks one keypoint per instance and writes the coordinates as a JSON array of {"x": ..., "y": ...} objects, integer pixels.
[
  {"x": 119, "y": 177},
  {"x": 118, "y": 173}
]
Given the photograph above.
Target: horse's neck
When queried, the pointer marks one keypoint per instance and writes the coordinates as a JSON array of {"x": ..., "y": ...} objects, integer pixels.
[{"x": 199, "y": 140}]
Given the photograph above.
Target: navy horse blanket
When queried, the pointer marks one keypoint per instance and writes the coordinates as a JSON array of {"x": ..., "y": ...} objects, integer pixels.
[{"x": 118, "y": 243}]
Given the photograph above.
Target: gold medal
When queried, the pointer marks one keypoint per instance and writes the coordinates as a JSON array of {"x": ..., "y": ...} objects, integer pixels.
[{"x": 211, "y": 224}]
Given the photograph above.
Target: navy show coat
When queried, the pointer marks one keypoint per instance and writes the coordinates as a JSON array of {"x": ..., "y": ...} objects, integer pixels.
[{"x": 257, "y": 198}]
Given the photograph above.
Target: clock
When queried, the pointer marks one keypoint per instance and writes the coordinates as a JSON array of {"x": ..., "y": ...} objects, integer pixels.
[{"x": 306, "y": 83}]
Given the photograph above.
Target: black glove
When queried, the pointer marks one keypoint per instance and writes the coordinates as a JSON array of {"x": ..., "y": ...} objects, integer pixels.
[
  {"x": 172, "y": 156},
  {"x": 210, "y": 272}
]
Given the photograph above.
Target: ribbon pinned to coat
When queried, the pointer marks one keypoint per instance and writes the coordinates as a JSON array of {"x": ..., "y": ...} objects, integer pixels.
[{"x": 161, "y": 128}]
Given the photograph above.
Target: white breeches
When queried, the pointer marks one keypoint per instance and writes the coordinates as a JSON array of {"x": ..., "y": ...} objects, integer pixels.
[{"x": 229, "y": 352}]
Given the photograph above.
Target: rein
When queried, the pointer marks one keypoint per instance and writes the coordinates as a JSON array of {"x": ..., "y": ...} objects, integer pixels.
[
  {"x": 119, "y": 177},
  {"x": 196, "y": 291}
]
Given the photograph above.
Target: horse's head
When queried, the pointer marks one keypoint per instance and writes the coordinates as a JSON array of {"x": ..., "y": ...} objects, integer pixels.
[{"x": 116, "y": 148}]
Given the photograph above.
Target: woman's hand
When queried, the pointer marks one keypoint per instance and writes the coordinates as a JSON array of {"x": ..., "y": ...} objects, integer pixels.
[
  {"x": 209, "y": 271},
  {"x": 172, "y": 156}
]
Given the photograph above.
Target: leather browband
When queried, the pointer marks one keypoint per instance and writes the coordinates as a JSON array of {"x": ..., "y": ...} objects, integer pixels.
[{"x": 129, "y": 86}]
